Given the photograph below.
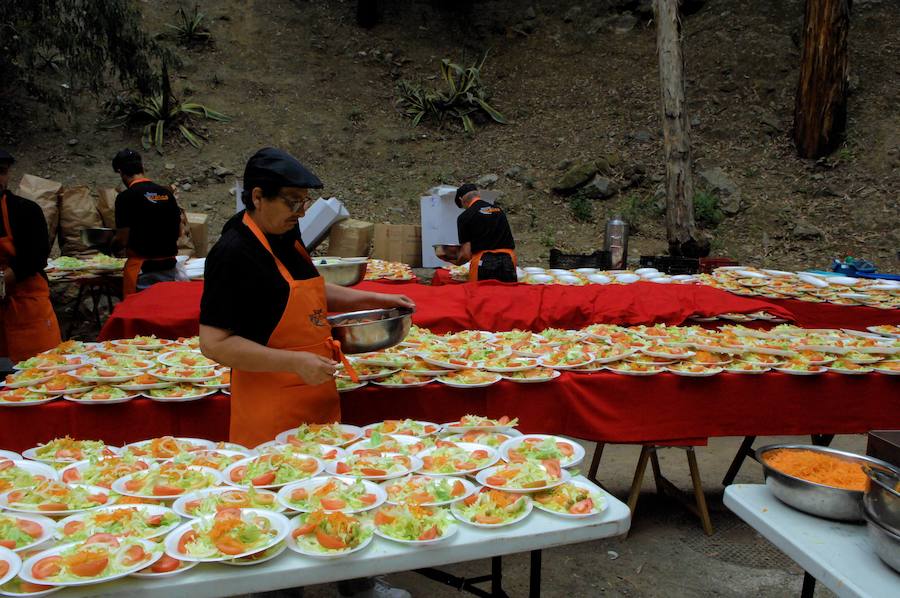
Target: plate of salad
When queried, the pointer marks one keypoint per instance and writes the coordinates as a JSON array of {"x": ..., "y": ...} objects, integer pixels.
[
  {"x": 11, "y": 455},
  {"x": 217, "y": 459},
  {"x": 19, "y": 587},
  {"x": 166, "y": 447},
  {"x": 891, "y": 368},
  {"x": 375, "y": 467},
  {"x": 329, "y": 534},
  {"x": 103, "y": 471},
  {"x": 137, "y": 362},
  {"x": 178, "y": 393},
  {"x": 186, "y": 359},
  {"x": 414, "y": 524},
  {"x": 469, "y": 379},
  {"x": 628, "y": 368},
  {"x": 229, "y": 534},
  {"x": 346, "y": 384},
  {"x": 799, "y": 367},
  {"x": 428, "y": 491},
  {"x": 97, "y": 559},
  {"x": 348, "y": 495},
  {"x": 510, "y": 363},
  {"x": 24, "y": 378},
  {"x": 222, "y": 380},
  {"x": 258, "y": 557},
  {"x": 23, "y": 397},
  {"x": 22, "y": 532},
  {"x": 272, "y": 470},
  {"x": 51, "y": 497},
  {"x": 51, "y": 362},
  {"x": 842, "y": 366},
  {"x": 10, "y": 564},
  {"x": 528, "y": 476},
  {"x": 456, "y": 458},
  {"x": 379, "y": 444},
  {"x": 746, "y": 367},
  {"x": 61, "y": 384},
  {"x": 102, "y": 395},
  {"x": 19, "y": 473},
  {"x": 611, "y": 353},
  {"x": 567, "y": 357},
  {"x": 420, "y": 367},
  {"x": 384, "y": 360},
  {"x": 403, "y": 380},
  {"x": 447, "y": 360},
  {"x": 210, "y": 501},
  {"x": 667, "y": 352},
  {"x": 184, "y": 375},
  {"x": 574, "y": 499},
  {"x": 168, "y": 480},
  {"x": 149, "y": 343},
  {"x": 477, "y": 422},
  {"x": 122, "y": 521},
  {"x": 486, "y": 437},
  {"x": 532, "y": 376},
  {"x": 143, "y": 381},
  {"x": 69, "y": 450},
  {"x": 693, "y": 370},
  {"x": 322, "y": 452},
  {"x": 368, "y": 372},
  {"x": 538, "y": 447},
  {"x": 402, "y": 427},
  {"x": 335, "y": 434},
  {"x": 166, "y": 566},
  {"x": 492, "y": 508}
]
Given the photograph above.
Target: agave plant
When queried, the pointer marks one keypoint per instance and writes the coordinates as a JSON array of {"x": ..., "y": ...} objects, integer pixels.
[
  {"x": 160, "y": 114},
  {"x": 191, "y": 28},
  {"x": 464, "y": 96}
]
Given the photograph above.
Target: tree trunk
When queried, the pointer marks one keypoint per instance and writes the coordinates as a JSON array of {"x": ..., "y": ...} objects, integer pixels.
[
  {"x": 681, "y": 230},
  {"x": 820, "y": 107}
]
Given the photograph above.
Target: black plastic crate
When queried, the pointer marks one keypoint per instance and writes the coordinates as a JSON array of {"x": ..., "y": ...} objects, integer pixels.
[
  {"x": 570, "y": 261},
  {"x": 671, "y": 264}
]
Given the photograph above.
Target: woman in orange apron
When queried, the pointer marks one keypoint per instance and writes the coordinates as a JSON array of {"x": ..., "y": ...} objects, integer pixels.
[
  {"x": 283, "y": 364},
  {"x": 28, "y": 324}
]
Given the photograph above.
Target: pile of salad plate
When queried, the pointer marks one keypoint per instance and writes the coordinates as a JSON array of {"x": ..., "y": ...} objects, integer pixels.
[
  {"x": 118, "y": 371},
  {"x": 80, "y": 512}
]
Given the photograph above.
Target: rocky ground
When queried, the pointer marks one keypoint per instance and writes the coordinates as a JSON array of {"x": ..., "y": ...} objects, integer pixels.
[{"x": 578, "y": 83}]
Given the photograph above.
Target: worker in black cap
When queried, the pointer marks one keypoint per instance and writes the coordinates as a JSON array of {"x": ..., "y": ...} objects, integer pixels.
[
  {"x": 264, "y": 306},
  {"x": 485, "y": 240},
  {"x": 28, "y": 324},
  {"x": 148, "y": 220}
]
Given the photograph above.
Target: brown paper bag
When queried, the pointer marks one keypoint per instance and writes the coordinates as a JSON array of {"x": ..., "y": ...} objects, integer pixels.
[
  {"x": 106, "y": 205},
  {"x": 77, "y": 211},
  {"x": 185, "y": 240},
  {"x": 44, "y": 193}
]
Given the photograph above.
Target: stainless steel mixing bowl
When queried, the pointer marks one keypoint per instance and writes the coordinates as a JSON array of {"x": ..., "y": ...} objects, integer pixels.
[
  {"x": 882, "y": 497},
  {"x": 370, "y": 330},
  {"x": 343, "y": 273},
  {"x": 810, "y": 497}
]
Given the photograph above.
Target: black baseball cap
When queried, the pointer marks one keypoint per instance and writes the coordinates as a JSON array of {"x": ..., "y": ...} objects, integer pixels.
[
  {"x": 123, "y": 157},
  {"x": 274, "y": 166},
  {"x": 6, "y": 157},
  {"x": 464, "y": 190}
]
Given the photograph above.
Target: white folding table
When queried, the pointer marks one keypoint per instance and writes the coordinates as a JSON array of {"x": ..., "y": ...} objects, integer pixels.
[
  {"x": 837, "y": 554},
  {"x": 538, "y": 531}
]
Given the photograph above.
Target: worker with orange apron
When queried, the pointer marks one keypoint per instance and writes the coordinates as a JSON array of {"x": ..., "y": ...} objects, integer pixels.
[
  {"x": 148, "y": 220},
  {"x": 28, "y": 324},
  {"x": 485, "y": 240},
  {"x": 264, "y": 307}
]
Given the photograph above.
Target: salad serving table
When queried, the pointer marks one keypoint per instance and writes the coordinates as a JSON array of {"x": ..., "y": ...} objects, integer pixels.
[
  {"x": 837, "y": 554},
  {"x": 537, "y": 532}
]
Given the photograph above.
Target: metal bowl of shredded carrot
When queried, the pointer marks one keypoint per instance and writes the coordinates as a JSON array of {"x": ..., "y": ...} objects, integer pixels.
[{"x": 817, "y": 480}]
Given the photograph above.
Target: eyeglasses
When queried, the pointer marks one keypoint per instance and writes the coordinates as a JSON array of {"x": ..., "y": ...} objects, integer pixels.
[{"x": 297, "y": 205}]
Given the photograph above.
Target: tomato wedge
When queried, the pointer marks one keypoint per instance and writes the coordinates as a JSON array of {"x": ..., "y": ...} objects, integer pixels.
[
  {"x": 552, "y": 467},
  {"x": 53, "y": 506},
  {"x": 166, "y": 490},
  {"x": 496, "y": 480},
  {"x": 368, "y": 499},
  {"x": 382, "y": 518},
  {"x": 86, "y": 563},
  {"x": 371, "y": 471},
  {"x": 103, "y": 539},
  {"x": 331, "y": 542},
  {"x": 458, "y": 488},
  {"x": 165, "y": 564},
  {"x": 342, "y": 467},
  {"x": 71, "y": 475},
  {"x": 430, "y": 534},
  {"x": 299, "y": 494},
  {"x": 134, "y": 554},
  {"x": 31, "y": 528},
  {"x": 333, "y": 504},
  {"x": 582, "y": 507},
  {"x": 47, "y": 567},
  {"x": 186, "y": 539},
  {"x": 11, "y": 544},
  {"x": 230, "y": 545},
  {"x": 265, "y": 479},
  {"x": 306, "y": 528},
  {"x": 488, "y": 519},
  {"x": 565, "y": 448},
  {"x": 237, "y": 474},
  {"x": 154, "y": 520},
  {"x": 73, "y": 527}
]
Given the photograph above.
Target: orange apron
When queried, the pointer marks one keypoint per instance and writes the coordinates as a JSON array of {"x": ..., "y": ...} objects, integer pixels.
[
  {"x": 27, "y": 322},
  {"x": 476, "y": 259},
  {"x": 134, "y": 262},
  {"x": 266, "y": 403}
]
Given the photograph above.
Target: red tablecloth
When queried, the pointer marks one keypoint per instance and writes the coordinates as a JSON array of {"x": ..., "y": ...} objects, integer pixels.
[
  {"x": 604, "y": 406},
  {"x": 442, "y": 277}
]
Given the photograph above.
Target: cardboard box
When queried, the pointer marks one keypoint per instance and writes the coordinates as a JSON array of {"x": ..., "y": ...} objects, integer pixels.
[
  {"x": 350, "y": 238},
  {"x": 319, "y": 219},
  {"x": 199, "y": 233},
  {"x": 398, "y": 243}
]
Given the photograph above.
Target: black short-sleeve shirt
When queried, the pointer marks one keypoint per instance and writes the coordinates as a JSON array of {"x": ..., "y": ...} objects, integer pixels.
[
  {"x": 485, "y": 227},
  {"x": 153, "y": 218},
  {"x": 243, "y": 290},
  {"x": 29, "y": 233}
]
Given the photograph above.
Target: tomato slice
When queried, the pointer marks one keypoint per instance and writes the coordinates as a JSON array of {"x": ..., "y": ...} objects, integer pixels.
[
  {"x": 166, "y": 490},
  {"x": 11, "y": 544},
  {"x": 383, "y": 518},
  {"x": 488, "y": 519},
  {"x": 429, "y": 534},
  {"x": 134, "y": 485},
  {"x": 552, "y": 467},
  {"x": 306, "y": 528},
  {"x": 230, "y": 545},
  {"x": 53, "y": 506},
  {"x": 31, "y": 588},
  {"x": 333, "y": 504},
  {"x": 47, "y": 567},
  {"x": 299, "y": 494},
  {"x": 582, "y": 507},
  {"x": 154, "y": 520},
  {"x": 103, "y": 539},
  {"x": 371, "y": 471},
  {"x": 332, "y": 542},
  {"x": 458, "y": 488},
  {"x": 265, "y": 479},
  {"x": 71, "y": 475},
  {"x": 165, "y": 564},
  {"x": 565, "y": 448},
  {"x": 186, "y": 539},
  {"x": 368, "y": 499},
  {"x": 342, "y": 467},
  {"x": 238, "y": 473},
  {"x": 496, "y": 480},
  {"x": 73, "y": 527},
  {"x": 134, "y": 554},
  {"x": 31, "y": 528},
  {"x": 86, "y": 564}
]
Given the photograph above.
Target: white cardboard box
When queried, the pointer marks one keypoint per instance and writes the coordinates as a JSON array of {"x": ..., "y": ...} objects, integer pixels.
[
  {"x": 319, "y": 219},
  {"x": 439, "y": 214}
]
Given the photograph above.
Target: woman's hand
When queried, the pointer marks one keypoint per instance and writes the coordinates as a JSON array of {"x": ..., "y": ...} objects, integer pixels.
[
  {"x": 314, "y": 369},
  {"x": 386, "y": 300}
]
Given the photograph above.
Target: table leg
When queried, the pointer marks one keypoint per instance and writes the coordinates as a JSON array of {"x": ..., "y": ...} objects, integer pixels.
[
  {"x": 821, "y": 439},
  {"x": 534, "y": 584},
  {"x": 73, "y": 311},
  {"x": 496, "y": 575},
  {"x": 743, "y": 452},
  {"x": 809, "y": 586},
  {"x": 595, "y": 462}
]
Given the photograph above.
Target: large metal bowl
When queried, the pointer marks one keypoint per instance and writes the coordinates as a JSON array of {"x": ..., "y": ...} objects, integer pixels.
[
  {"x": 448, "y": 251},
  {"x": 885, "y": 543},
  {"x": 97, "y": 237},
  {"x": 817, "y": 499},
  {"x": 343, "y": 273},
  {"x": 882, "y": 498},
  {"x": 371, "y": 330}
]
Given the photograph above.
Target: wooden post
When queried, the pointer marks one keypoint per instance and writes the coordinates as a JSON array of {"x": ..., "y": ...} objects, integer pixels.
[
  {"x": 681, "y": 230},
  {"x": 820, "y": 107}
]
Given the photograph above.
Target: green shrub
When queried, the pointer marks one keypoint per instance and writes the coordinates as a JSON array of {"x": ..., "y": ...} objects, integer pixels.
[
  {"x": 582, "y": 208},
  {"x": 706, "y": 210}
]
